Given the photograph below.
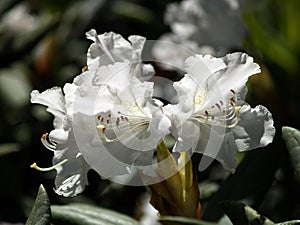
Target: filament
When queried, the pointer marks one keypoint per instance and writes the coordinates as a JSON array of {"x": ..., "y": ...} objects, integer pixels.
[
  {"x": 35, "y": 166},
  {"x": 49, "y": 145}
]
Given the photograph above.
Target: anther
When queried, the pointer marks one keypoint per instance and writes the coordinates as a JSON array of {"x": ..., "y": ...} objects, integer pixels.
[
  {"x": 84, "y": 69},
  {"x": 118, "y": 121},
  {"x": 219, "y": 107},
  {"x": 49, "y": 145}
]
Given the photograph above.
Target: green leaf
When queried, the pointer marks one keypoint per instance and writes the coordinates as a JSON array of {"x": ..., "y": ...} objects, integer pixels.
[
  {"x": 14, "y": 86},
  {"x": 7, "y": 148},
  {"x": 176, "y": 220},
  {"x": 133, "y": 11},
  {"x": 293, "y": 222},
  {"x": 291, "y": 136},
  {"x": 239, "y": 213},
  {"x": 40, "y": 213},
  {"x": 78, "y": 214}
]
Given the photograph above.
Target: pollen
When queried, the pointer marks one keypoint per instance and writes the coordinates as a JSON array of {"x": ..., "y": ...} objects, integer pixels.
[{"x": 199, "y": 98}]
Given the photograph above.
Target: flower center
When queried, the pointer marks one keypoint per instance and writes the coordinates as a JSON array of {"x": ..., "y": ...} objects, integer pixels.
[
  {"x": 115, "y": 128},
  {"x": 220, "y": 114},
  {"x": 199, "y": 98}
]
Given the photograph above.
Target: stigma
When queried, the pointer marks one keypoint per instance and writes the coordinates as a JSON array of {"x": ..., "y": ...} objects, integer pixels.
[{"x": 35, "y": 166}]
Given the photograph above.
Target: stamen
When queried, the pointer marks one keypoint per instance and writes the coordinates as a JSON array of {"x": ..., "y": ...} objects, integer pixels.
[
  {"x": 118, "y": 121},
  {"x": 49, "y": 145},
  {"x": 35, "y": 166},
  {"x": 232, "y": 101},
  {"x": 207, "y": 115},
  {"x": 219, "y": 107}
]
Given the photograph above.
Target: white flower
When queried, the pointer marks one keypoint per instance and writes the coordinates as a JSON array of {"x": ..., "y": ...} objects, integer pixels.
[
  {"x": 211, "y": 116},
  {"x": 70, "y": 166},
  {"x": 109, "y": 48},
  {"x": 200, "y": 23},
  {"x": 106, "y": 119},
  {"x": 123, "y": 124}
]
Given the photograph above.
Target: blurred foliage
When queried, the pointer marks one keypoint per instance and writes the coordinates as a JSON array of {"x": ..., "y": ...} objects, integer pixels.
[
  {"x": 77, "y": 214},
  {"x": 42, "y": 44}
]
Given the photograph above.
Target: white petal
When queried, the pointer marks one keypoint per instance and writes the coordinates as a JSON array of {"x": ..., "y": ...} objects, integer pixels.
[
  {"x": 255, "y": 128},
  {"x": 227, "y": 153},
  {"x": 71, "y": 179},
  {"x": 200, "y": 67},
  {"x": 52, "y": 98},
  {"x": 108, "y": 159},
  {"x": 71, "y": 176},
  {"x": 111, "y": 47},
  {"x": 187, "y": 136},
  {"x": 116, "y": 75},
  {"x": 148, "y": 70},
  {"x": 215, "y": 143},
  {"x": 186, "y": 88},
  {"x": 239, "y": 67},
  {"x": 69, "y": 90},
  {"x": 137, "y": 42},
  {"x": 59, "y": 136}
]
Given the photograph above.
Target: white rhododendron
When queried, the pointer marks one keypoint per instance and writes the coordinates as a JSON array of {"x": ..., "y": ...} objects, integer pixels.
[
  {"x": 211, "y": 116},
  {"x": 67, "y": 160},
  {"x": 124, "y": 121},
  {"x": 108, "y": 119}
]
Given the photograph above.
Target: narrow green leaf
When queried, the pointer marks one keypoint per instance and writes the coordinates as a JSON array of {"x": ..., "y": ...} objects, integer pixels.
[
  {"x": 291, "y": 136},
  {"x": 133, "y": 11},
  {"x": 7, "y": 148},
  {"x": 239, "y": 213},
  {"x": 176, "y": 220},
  {"x": 40, "y": 213},
  {"x": 293, "y": 222},
  {"x": 78, "y": 214}
]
